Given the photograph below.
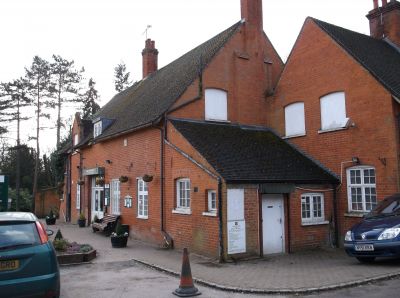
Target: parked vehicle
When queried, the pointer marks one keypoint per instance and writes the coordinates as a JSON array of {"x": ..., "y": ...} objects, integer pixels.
[
  {"x": 377, "y": 235},
  {"x": 28, "y": 262}
]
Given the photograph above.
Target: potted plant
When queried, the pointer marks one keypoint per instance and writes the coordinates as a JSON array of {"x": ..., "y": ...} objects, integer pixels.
[
  {"x": 82, "y": 220},
  {"x": 51, "y": 218},
  {"x": 147, "y": 178},
  {"x": 123, "y": 179},
  {"x": 119, "y": 238}
]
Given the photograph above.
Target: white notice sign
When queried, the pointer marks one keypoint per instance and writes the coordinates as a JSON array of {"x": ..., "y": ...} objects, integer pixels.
[
  {"x": 236, "y": 237},
  {"x": 1, "y": 178}
]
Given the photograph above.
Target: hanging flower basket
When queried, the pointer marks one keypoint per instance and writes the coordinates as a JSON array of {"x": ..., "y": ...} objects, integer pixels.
[
  {"x": 123, "y": 179},
  {"x": 81, "y": 182},
  {"x": 100, "y": 181},
  {"x": 147, "y": 178},
  {"x": 60, "y": 184}
]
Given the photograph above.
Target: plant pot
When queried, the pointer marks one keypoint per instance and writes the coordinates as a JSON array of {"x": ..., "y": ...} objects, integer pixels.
[
  {"x": 119, "y": 241},
  {"x": 50, "y": 221},
  {"x": 81, "y": 223},
  {"x": 123, "y": 179},
  {"x": 147, "y": 178}
]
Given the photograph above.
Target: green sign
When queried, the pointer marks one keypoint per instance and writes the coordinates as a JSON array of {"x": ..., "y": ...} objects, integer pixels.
[{"x": 3, "y": 192}]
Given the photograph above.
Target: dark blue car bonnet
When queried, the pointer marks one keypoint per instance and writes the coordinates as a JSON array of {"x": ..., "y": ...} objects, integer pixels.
[{"x": 373, "y": 227}]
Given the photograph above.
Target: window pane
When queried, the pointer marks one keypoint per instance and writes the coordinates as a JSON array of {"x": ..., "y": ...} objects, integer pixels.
[
  {"x": 294, "y": 119},
  {"x": 370, "y": 198},
  {"x": 356, "y": 198},
  {"x": 305, "y": 207}
]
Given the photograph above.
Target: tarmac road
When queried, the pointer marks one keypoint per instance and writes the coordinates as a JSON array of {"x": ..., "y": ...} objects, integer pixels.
[{"x": 130, "y": 279}]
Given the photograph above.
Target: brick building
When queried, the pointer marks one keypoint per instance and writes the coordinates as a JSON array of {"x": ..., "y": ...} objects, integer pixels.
[
  {"x": 338, "y": 100},
  {"x": 202, "y": 167}
]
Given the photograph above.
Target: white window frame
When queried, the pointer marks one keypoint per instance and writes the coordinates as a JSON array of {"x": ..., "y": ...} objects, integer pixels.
[
  {"x": 216, "y": 105},
  {"x": 78, "y": 196},
  {"x": 212, "y": 196},
  {"x": 143, "y": 199},
  {"x": 313, "y": 219},
  {"x": 183, "y": 199},
  {"x": 333, "y": 111},
  {"x": 362, "y": 186},
  {"x": 115, "y": 196},
  {"x": 97, "y": 129},
  {"x": 295, "y": 120}
]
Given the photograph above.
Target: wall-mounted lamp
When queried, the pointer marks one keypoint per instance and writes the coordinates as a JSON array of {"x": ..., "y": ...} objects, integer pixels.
[
  {"x": 355, "y": 159},
  {"x": 108, "y": 161}
]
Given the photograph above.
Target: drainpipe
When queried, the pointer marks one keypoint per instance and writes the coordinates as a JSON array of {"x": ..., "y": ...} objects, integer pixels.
[
  {"x": 220, "y": 234},
  {"x": 335, "y": 216}
]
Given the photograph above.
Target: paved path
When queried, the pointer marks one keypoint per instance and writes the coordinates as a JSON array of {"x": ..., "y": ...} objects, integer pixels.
[{"x": 294, "y": 273}]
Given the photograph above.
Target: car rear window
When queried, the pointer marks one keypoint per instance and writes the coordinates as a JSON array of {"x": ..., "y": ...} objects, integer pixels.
[{"x": 18, "y": 235}]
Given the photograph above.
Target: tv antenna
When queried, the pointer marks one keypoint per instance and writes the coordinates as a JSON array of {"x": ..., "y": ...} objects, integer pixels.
[{"x": 147, "y": 30}]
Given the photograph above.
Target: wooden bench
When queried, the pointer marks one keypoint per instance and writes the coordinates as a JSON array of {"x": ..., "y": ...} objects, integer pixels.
[{"x": 107, "y": 224}]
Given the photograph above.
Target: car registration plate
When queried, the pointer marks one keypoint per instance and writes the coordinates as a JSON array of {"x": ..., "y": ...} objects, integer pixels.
[
  {"x": 364, "y": 247},
  {"x": 9, "y": 265}
]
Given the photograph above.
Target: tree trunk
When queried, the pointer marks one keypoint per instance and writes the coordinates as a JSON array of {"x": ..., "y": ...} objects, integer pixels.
[
  {"x": 36, "y": 173},
  {"x": 18, "y": 170},
  {"x": 59, "y": 117}
]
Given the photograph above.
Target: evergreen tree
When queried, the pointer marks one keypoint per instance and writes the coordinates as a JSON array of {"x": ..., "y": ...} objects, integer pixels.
[
  {"x": 121, "y": 80},
  {"x": 65, "y": 80},
  {"x": 89, "y": 98},
  {"x": 17, "y": 94},
  {"x": 38, "y": 77}
]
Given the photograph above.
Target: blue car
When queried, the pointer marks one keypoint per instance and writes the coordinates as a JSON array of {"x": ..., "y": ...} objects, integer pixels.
[
  {"x": 377, "y": 235},
  {"x": 28, "y": 263}
]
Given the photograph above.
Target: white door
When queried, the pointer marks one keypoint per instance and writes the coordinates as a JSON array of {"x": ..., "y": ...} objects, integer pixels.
[
  {"x": 97, "y": 202},
  {"x": 273, "y": 224}
]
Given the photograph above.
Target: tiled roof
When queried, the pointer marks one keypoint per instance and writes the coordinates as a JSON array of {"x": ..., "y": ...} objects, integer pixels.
[
  {"x": 251, "y": 154},
  {"x": 380, "y": 58},
  {"x": 147, "y": 100}
]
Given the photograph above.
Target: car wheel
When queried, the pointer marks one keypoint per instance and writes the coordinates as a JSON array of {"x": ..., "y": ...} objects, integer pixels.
[{"x": 366, "y": 259}]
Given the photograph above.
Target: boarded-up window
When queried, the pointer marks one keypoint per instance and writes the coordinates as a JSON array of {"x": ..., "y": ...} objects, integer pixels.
[
  {"x": 216, "y": 105},
  {"x": 333, "y": 111},
  {"x": 294, "y": 119}
]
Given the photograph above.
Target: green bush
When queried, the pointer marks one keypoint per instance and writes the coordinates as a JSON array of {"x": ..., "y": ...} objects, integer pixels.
[
  {"x": 58, "y": 236},
  {"x": 60, "y": 244}
]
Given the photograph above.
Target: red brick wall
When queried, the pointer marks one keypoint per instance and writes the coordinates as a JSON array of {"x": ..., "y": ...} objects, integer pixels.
[
  {"x": 245, "y": 79},
  {"x": 309, "y": 74},
  {"x": 45, "y": 200}
]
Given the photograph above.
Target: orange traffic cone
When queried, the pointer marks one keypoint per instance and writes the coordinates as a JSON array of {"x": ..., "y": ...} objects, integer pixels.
[{"x": 186, "y": 287}]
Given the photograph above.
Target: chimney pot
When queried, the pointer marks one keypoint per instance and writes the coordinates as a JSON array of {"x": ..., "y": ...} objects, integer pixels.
[{"x": 375, "y": 4}]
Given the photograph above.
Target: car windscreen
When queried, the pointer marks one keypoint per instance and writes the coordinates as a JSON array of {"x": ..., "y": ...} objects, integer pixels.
[
  {"x": 388, "y": 207},
  {"x": 16, "y": 235}
]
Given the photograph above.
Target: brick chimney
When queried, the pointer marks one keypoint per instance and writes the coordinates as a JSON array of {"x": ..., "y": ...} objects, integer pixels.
[
  {"x": 384, "y": 21},
  {"x": 150, "y": 58},
  {"x": 252, "y": 13}
]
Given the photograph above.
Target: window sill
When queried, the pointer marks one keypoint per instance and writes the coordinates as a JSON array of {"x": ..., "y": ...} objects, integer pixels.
[
  {"x": 294, "y": 136},
  {"x": 331, "y": 129},
  {"x": 355, "y": 214},
  {"x": 142, "y": 217},
  {"x": 182, "y": 211},
  {"x": 210, "y": 213},
  {"x": 217, "y": 120},
  {"x": 316, "y": 223}
]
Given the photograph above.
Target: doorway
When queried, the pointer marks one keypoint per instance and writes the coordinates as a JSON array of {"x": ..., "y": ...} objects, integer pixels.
[
  {"x": 273, "y": 224},
  {"x": 97, "y": 202}
]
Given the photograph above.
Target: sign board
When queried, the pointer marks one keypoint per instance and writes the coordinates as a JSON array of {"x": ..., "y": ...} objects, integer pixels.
[
  {"x": 236, "y": 222},
  {"x": 93, "y": 171},
  {"x": 236, "y": 237},
  {"x": 235, "y": 204},
  {"x": 107, "y": 194},
  {"x": 3, "y": 192}
]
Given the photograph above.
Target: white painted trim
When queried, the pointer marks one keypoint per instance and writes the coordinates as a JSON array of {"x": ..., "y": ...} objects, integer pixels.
[
  {"x": 316, "y": 223},
  {"x": 294, "y": 136},
  {"x": 331, "y": 130},
  {"x": 185, "y": 211},
  {"x": 212, "y": 214}
]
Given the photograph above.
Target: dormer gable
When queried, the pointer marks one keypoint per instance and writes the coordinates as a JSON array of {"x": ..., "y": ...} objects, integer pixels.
[{"x": 100, "y": 125}]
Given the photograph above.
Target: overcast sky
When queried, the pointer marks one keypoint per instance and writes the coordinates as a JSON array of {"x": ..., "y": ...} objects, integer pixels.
[{"x": 99, "y": 34}]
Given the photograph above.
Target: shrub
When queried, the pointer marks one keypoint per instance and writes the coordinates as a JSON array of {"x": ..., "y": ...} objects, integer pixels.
[
  {"x": 60, "y": 244},
  {"x": 58, "y": 236}
]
